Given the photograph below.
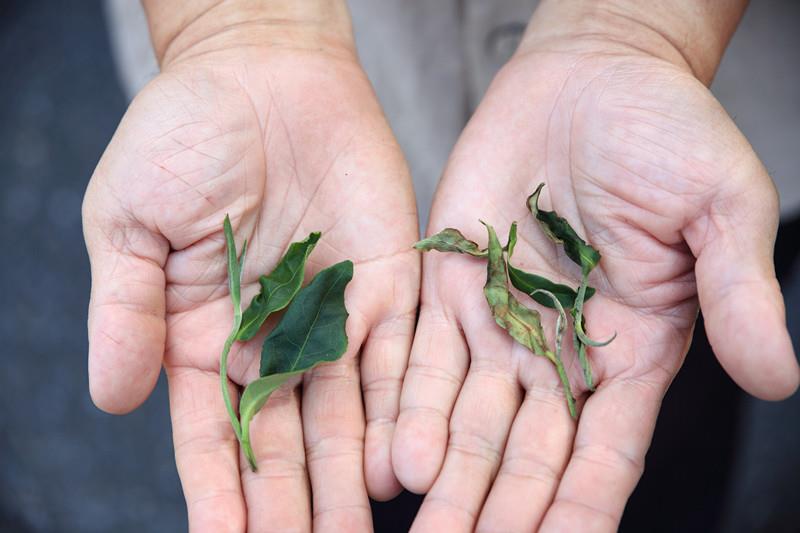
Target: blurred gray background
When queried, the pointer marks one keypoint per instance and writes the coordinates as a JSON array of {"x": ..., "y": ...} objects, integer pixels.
[{"x": 720, "y": 461}]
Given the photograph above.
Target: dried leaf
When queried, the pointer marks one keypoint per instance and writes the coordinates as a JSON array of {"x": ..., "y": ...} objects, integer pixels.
[
  {"x": 522, "y": 323},
  {"x": 559, "y": 231},
  {"x": 450, "y": 240}
]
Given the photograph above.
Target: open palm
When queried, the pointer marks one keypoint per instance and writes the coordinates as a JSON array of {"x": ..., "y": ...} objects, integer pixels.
[
  {"x": 287, "y": 141},
  {"x": 646, "y": 165}
]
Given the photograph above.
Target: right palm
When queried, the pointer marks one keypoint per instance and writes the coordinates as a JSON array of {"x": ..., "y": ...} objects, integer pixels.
[{"x": 638, "y": 156}]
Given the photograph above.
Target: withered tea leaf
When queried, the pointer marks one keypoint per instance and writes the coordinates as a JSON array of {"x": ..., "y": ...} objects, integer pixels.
[{"x": 450, "y": 240}]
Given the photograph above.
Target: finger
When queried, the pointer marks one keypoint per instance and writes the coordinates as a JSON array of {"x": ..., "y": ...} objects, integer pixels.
[
  {"x": 607, "y": 460},
  {"x": 206, "y": 451},
  {"x": 277, "y": 495},
  {"x": 126, "y": 309},
  {"x": 333, "y": 425},
  {"x": 437, "y": 366},
  {"x": 739, "y": 294},
  {"x": 383, "y": 363},
  {"x": 479, "y": 426},
  {"x": 534, "y": 459}
]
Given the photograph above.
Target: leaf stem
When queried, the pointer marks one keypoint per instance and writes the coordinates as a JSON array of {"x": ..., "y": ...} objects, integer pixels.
[
  {"x": 235, "y": 267},
  {"x": 577, "y": 327},
  {"x": 223, "y": 376},
  {"x": 562, "y": 373},
  {"x": 244, "y": 441}
]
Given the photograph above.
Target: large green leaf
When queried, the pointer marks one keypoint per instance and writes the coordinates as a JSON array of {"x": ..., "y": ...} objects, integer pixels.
[
  {"x": 311, "y": 332},
  {"x": 450, "y": 240},
  {"x": 559, "y": 231},
  {"x": 278, "y": 288}
]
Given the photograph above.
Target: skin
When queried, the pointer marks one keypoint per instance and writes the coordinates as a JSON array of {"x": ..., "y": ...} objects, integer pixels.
[
  {"x": 643, "y": 161},
  {"x": 287, "y": 137},
  {"x": 273, "y": 121}
]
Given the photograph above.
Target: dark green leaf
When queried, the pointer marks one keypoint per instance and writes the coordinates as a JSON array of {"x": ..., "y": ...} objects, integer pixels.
[
  {"x": 278, "y": 288},
  {"x": 559, "y": 231},
  {"x": 313, "y": 328},
  {"x": 450, "y": 240},
  {"x": 311, "y": 332},
  {"x": 531, "y": 283}
]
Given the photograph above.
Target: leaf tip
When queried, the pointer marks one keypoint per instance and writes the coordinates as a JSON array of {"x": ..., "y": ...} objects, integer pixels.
[{"x": 533, "y": 199}]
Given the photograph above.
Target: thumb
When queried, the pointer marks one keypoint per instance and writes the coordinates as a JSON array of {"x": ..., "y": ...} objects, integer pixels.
[
  {"x": 739, "y": 294},
  {"x": 126, "y": 310}
]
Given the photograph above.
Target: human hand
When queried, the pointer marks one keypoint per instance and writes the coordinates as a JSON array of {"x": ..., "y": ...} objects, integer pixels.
[
  {"x": 273, "y": 121},
  {"x": 644, "y": 162}
]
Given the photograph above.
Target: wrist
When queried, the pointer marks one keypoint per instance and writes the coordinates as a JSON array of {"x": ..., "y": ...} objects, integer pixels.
[
  {"x": 692, "y": 35},
  {"x": 180, "y": 29}
]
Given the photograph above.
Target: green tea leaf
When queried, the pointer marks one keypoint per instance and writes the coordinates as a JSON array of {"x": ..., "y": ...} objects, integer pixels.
[
  {"x": 512, "y": 240},
  {"x": 583, "y": 254},
  {"x": 313, "y": 328},
  {"x": 235, "y": 268},
  {"x": 531, "y": 284},
  {"x": 450, "y": 240},
  {"x": 536, "y": 286},
  {"x": 559, "y": 231},
  {"x": 311, "y": 332},
  {"x": 278, "y": 288},
  {"x": 253, "y": 399}
]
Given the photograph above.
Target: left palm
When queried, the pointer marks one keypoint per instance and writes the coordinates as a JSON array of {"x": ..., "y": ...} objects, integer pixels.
[
  {"x": 287, "y": 141},
  {"x": 641, "y": 159}
]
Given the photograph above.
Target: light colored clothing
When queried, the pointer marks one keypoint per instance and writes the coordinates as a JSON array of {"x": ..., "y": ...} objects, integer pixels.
[{"x": 431, "y": 61}]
